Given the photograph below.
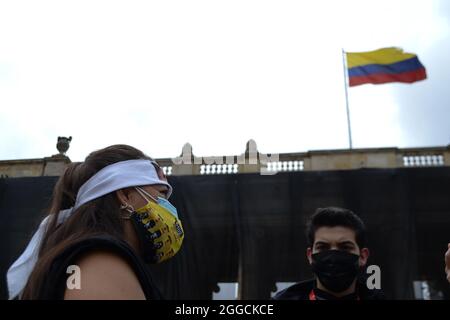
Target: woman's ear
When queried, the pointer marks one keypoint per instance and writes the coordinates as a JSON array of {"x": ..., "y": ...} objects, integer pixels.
[{"x": 123, "y": 196}]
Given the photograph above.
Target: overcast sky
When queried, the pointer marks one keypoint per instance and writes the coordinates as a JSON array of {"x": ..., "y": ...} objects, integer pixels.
[{"x": 157, "y": 74}]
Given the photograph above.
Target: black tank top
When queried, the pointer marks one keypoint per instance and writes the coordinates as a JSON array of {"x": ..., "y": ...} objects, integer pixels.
[{"x": 55, "y": 282}]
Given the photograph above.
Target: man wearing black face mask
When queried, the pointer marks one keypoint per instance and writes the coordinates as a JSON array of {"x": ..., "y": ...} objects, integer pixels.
[{"x": 337, "y": 253}]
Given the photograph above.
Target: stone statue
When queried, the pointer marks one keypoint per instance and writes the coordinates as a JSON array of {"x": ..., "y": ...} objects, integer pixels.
[{"x": 63, "y": 144}]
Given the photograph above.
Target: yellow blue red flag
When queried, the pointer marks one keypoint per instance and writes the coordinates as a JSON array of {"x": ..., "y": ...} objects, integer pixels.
[{"x": 383, "y": 66}]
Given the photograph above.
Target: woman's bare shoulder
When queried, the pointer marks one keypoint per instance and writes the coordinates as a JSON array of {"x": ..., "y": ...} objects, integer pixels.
[{"x": 103, "y": 275}]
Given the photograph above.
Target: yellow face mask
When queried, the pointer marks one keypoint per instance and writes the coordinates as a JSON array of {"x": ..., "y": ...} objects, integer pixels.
[{"x": 159, "y": 228}]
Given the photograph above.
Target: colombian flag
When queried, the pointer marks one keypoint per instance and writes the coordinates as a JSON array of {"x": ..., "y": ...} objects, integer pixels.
[{"x": 382, "y": 66}]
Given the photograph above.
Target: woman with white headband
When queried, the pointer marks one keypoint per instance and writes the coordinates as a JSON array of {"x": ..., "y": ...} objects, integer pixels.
[{"x": 108, "y": 218}]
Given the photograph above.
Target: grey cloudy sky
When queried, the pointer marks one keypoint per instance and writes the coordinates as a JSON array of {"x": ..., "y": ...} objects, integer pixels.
[{"x": 157, "y": 74}]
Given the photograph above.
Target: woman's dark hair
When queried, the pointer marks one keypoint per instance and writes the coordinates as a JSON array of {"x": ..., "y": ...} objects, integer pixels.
[
  {"x": 99, "y": 216},
  {"x": 333, "y": 217}
]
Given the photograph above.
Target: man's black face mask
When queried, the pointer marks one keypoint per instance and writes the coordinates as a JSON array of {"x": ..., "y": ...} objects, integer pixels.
[{"x": 335, "y": 269}]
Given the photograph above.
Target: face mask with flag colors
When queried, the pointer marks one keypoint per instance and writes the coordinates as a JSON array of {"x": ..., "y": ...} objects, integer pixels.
[{"x": 158, "y": 227}]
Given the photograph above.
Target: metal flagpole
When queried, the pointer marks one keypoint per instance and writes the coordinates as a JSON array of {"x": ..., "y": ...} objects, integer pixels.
[{"x": 344, "y": 60}]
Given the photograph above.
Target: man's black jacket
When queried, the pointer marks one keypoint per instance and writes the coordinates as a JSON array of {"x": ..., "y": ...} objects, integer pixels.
[{"x": 302, "y": 291}]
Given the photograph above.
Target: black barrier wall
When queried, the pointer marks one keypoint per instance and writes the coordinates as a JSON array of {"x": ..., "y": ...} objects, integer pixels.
[{"x": 249, "y": 228}]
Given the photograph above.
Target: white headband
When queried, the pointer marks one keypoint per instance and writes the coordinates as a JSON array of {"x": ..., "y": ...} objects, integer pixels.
[{"x": 130, "y": 173}]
